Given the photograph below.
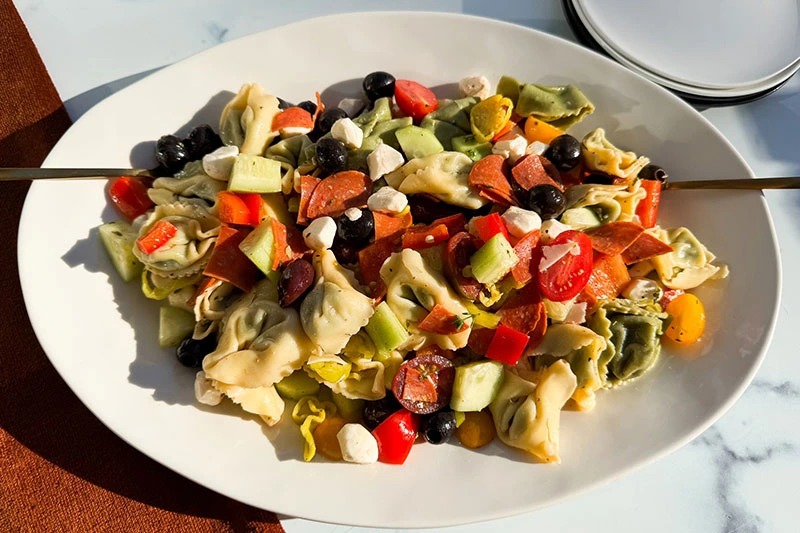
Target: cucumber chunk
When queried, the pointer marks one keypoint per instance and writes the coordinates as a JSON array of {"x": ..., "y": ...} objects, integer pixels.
[
  {"x": 493, "y": 260},
  {"x": 349, "y": 409},
  {"x": 118, "y": 239},
  {"x": 387, "y": 131},
  {"x": 469, "y": 145},
  {"x": 253, "y": 173},
  {"x": 259, "y": 246},
  {"x": 418, "y": 142},
  {"x": 296, "y": 385},
  {"x": 444, "y": 131},
  {"x": 385, "y": 329},
  {"x": 476, "y": 385},
  {"x": 174, "y": 325}
]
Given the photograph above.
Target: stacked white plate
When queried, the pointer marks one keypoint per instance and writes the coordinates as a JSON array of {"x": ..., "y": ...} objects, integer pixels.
[{"x": 710, "y": 51}]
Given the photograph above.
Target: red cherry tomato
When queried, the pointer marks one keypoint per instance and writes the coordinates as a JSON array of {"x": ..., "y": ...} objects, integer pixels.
[
  {"x": 424, "y": 384},
  {"x": 565, "y": 278},
  {"x": 414, "y": 99},
  {"x": 396, "y": 436},
  {"x": 129, "y": 196}
]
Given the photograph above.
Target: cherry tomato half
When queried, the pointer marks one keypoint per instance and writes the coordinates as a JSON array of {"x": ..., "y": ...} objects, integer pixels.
[
  {"x": 424, "y": 384},
  {"x": 414, "y": 99},
  {"x": 565, "y": 278},
  {"x": 396, "y": 436}
]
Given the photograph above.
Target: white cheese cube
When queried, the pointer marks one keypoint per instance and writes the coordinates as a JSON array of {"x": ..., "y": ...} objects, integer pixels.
[
  {"x": 551, "y": 228},
  {"x": 520, "y": 221},
  {"x": 511, "y": 148},
  {"x": 357, "y": 444},
  {"x": 320, "y": 233},
  {"x": 477, "y": 86},
  {"x": 353, "y": 213},
  {"x": 293, "y": 131},
  {"x": 204, "y": 392},
  {"x": 218, "y": 164},
  {"x": 382, "y": 160},
  {"x": 553, "y": 253},
  {"x": 345, "y": 130},
  {"x": 576, "y": 314},
  {"x": 387, "y": 200},
  {"x": 537, "y": 147},
  {"x": 351, "y": 106}
]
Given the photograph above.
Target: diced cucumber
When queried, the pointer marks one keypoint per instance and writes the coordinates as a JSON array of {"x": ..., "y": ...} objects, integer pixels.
[
  {"x": 349, "y": 409},
  {"x": 296, "y": 385},
  {"x": 469, "y": 145},
  {"x": 418, "y": 142},
  {"x": 380, "y": 112},
  {"x": 387, "y": 131},
  {"x": 385, "y": 329},
  {"x": 580, "y": 218},
  {"x": 444, "y": 131},
  {"x": 253, "y": 173},
  {"x": 174, "y": 325},
  {"x": 118, "y": 239},
  {"x": 476, "y": 385},
  {"x": 259, "y": 246},
  {"x": 493, "y": 260}
]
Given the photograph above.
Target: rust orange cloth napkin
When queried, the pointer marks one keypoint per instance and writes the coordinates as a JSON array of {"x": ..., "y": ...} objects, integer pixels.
[{"x": 60, "y": 468}]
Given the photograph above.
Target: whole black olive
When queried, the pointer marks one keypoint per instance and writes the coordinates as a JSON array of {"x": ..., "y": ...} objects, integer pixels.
[
  {"x": 171, "y": 153},
  {"x": 425, "y": 209},
  {"x": 438, "y": 427},
  {"x": 377, "y": 411},
  {"x": 296, "y": 278},
  {"x": 346, "y": 253},
  {"x": 331, "y": 156},
  {"x": 191, "y": 352},
  {"x": 327, "y": 119},
  {"x": 357, "y": 230},
  {"x": 564, "y": 152},
  {"x": 653, "y": 172},
  {"x": 599, "y": 179},
  {"x": 201, "y": 141},
  {"x": 548, "y": 201},
  {"x": 378, "y": 84},
  {"x": 309, "y": 106}
]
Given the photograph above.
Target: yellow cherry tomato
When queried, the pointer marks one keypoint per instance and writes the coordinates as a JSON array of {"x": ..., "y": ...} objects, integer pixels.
[
  {"x": 489, "y": 116},
  {"x": 326, "y": 437},
  {"x": 688, "y": 319},
  {"x": 477, "y": 429}
]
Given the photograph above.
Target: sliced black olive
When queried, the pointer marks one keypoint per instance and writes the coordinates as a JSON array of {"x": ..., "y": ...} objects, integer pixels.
[
  {"x": 201, "y": 141},
  {"x": 564, "y": 152},
  {"x": 425, "y": 209},
  {"x": 191, "y": 352},
  {"x": 331, "y": 156},
  {"x": 653, "y": 172},
  {"x": 438, "y": 427},
  {"x": 378, "y": 84},
  {"x": 171, "y": 153},
  {"x": 356, "y": 231},
  {"x": 548, "y": 201}
]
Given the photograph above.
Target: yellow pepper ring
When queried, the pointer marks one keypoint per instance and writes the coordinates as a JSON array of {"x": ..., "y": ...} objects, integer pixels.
[{"x": 488, "y": 117}]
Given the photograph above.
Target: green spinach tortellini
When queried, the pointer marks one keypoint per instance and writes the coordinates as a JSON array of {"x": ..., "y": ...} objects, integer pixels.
[
  {"x": 561, "y": 105},
  {"x": 246, "y": 120}
]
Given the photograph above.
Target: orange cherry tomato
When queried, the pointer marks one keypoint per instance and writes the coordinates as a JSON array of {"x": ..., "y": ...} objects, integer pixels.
[{"x": 688, "y": 319}]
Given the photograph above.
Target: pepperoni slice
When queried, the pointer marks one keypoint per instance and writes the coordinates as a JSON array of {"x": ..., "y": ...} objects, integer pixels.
[
  {"x": 442, "y": 322},
  {"x": 614, "y": 237},
  {"x": 390, "y": 226},
  {"x": 531, "y": 170},
  {"x": 307, "y": 186},
  {"x": 370, "y": 261},
  {"x": 524, "y": 311},
  {"x": 645, "y": 247},
  {"x": 459, "y": 249},
  {"x": 339, "y": 192},
  {"x": 480, "y": 339},
  {"x": 293, "y": 117},
  {"x": 526, "y": 248},
  {"x": 490, "y": 177}
]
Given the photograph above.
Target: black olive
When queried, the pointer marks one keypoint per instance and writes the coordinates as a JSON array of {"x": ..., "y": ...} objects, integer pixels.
[
  {"x": 191, "y": 352},
  {"x": 201, "y": 141},
  {"x": 356, "y": 231},
  {"x": 171, "y": 153},
  {"x": 599, "y": 179},
  {"x": 425, "y": 209},
  {"x": 438, "y": 427},
  {"x": 547, "y": 201},
  {"x": 377, "y": 411},
  {"x": 331, "y": 156},
  {"x": 564, "y": 152},
  {"x": 309, "y": 106},
  {"x": 283, "y": 104},
  {"x": 346, "y": 253},
  {"x": 296, "y": 278},
  {"x": 653, "y": 172},
  {"x": 378, "y": 84},
  {"x": 327, "y": 119}
]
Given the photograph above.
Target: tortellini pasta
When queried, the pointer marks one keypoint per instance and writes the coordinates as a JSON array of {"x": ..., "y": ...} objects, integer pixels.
[
  {"x": 246, "y": 120},
  {"x": 599, "y": 154},
  {"x": 689, "y": 265},
  {"x": 528, "y": 415},
  {"x": 581, "y": 348},
  {"x": 562, "y": 106},
  {"x": 444, "y": 175},
  {"x": 210, "y": 306},
  {"x": 609, "y": 202},
  {"x": 296, "y": 159},
  {"x": 262, "y": 401},
  {"x": 190, "y": 185},
  {"x": 335, "y": 309},
  {"x": 413, "y": 288},
  {"x": 187, "y": 252},
  {"x": 261, "y": 342}
]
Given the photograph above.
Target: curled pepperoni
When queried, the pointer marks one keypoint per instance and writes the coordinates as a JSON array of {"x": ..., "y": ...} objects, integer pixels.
[
  {"x": 645, "y": 247},
  {"x": 339, "y": 192},
  {"x": 490, "y": 177},
  {"x": 614, "y": 237},
  {"x": 532, "y": 170}
]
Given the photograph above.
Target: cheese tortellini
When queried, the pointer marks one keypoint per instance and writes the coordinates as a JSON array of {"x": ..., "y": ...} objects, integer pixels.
[
  {"x": 528, "y": 415},
  {"x": 689, "y": 265},
  {"x": 599, "y": 154},
  {"x": 444, "y": 175},
  {"x": 210, "y": 306},
  {"x": 246, "y": 120},
  {"x": 413, "y": 288},
  {"x": 295, "y": 155},
  {"x": 262, "y": 401},
  {"x": 609, "y": 203}
]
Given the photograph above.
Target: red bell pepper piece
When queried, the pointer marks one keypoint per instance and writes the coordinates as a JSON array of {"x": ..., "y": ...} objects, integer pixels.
[
  {"x": 396, "y": 436},
  {"x": 129, "y": 196},
  {"x": 255, "y": 207},
  {"x": 442, "y": 322},
  {"x": 421, "y": 237},
  {"x": 507, "y": 345},
  {"x": 489, "y": 226},
  {"x": 157, "y": 237},
  {"x": 228, "y": 262},
  {"x": 232, "y": 209},
  {"x": 648, "y": 207}
]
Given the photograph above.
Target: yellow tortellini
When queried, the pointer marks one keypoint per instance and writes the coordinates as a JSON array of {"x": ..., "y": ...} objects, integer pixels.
[
  {"x": 444, "y": 175},
  {"x": 246, "y": 120},
  {"x": 689, "y": 265},
  {"x": 599, "y": 154},
  {"x": 609, "y": 203}
]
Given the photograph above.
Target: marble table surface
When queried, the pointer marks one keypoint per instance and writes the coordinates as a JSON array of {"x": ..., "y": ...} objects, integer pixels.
[{"x": 738, "y": 476}]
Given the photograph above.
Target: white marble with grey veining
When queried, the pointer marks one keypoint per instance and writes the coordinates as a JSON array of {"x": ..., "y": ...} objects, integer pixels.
[{"x": 739, "y": 476}]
